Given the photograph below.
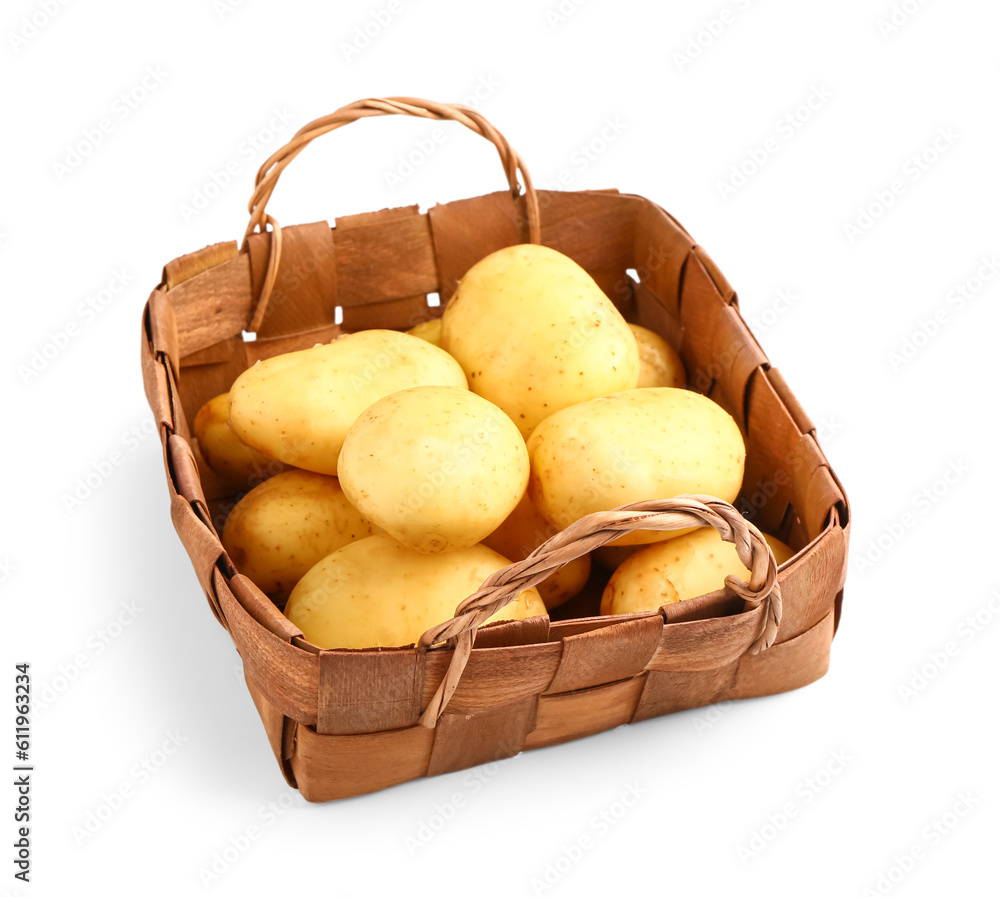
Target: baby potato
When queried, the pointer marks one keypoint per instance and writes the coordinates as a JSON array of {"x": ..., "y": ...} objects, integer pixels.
[
  {"x": 534, "y": 333},
  {"x": 297, "y": 407},
  {"x": 225, "y": 453},
  {"x": 630, "y": 446},
  {"x": 520, "y": 534},
  {"x": 281, "y": 528},
  {"x": 376, "y": 593},
  {"x": 428, "y": 330},
  {"x": 659, "y": 363},
  {"x": 681, "y": 568},
  {"x": 438, "y": 468}
]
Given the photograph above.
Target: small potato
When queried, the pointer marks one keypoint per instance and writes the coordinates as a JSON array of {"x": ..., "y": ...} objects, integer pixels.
[
  {"x": 376, "y": 593},
  {"x": 285, "y": 525},
  {"x": 631, "y": 446},
  {"x": 535, "y": 333},
  {"x": 659, "y": 363},
  {"x": 438, "y": 468},
  {"x": 681, "y": 568},
  {"x": 298, "y": 407},
  {"x": 520, "y": 534},
  {"x": 428, "y": 330},
  {"x": 225, "y": 453}
]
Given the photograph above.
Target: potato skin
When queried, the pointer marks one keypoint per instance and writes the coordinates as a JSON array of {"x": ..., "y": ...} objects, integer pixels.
[
  {"x": 436, "y": 467},
  {"x": 428, "y": 330},
  {"x": 284, "y": 526},
  {"x": 534, "y": 333},
  {"x": 520, "y": 534},
  {"x": 659, "y": 363},
  {"x": 377, "y": 593},
  {"x": 631, "y": 446},
  {"x": 230, "y": 458},
  {"x": 682, "y": 568},
  {"x": 298, "y": 407}
]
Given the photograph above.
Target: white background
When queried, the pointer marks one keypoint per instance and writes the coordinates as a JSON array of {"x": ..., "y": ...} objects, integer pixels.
[{"x": 714, "y": 785}]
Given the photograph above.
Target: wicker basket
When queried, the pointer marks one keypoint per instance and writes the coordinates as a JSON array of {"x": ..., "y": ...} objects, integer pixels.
[{"x": 347, "y": 722}]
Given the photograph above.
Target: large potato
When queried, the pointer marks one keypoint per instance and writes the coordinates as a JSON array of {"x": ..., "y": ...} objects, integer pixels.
[
  {"x": 659, "y": 363},
  {"x": 376, "y": 593},
  {"x": 631, "y": 446},
  {"x": 520, "y": 534},
  {"x": 535, "y": 333},
  {"x": 298, "y": 407},
  {"x": 225, "y": 453},
  {"x": 682, "y": 568},
  {"x": 280, "y": 529},
  {"x": 436, "y": 467}
]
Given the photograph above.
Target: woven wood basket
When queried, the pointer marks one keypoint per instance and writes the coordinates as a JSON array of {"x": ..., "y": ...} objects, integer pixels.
[{"x": 347, "y": 722}]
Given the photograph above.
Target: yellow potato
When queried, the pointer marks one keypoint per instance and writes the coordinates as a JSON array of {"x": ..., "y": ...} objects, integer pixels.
[
  {"x": 298, "y": 407},
  {"x": 535, "y": 333},
  {"x": 376, "y": 593},
  {"x": 224, "y": 452},
  {"x": 611, "y": 557},
  {"x": 682, "y": 568},
  {"x": 659, "y": 363},
  {"x": 438, "y": 468},
  {"x": 631, "y": 446},
  {"x": 520, "y": 534},
  {"x": 284, "y": 526},
  {"x": 428, "y": 330}
]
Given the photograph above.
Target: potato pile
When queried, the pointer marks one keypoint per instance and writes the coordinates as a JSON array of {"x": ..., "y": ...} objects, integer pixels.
[{"x": 413, "y": 465}]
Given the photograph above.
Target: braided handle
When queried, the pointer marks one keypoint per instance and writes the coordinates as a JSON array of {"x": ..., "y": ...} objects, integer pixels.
[
  {"x": 270, "y": 171},
  {"x": 591, "y": 532}
]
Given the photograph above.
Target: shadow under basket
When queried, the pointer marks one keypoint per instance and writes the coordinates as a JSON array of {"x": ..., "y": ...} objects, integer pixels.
[{"x": 348, "y": 722}]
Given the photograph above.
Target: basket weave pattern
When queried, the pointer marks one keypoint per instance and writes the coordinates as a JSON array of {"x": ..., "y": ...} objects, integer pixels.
[{"x": 345, "y": 722}]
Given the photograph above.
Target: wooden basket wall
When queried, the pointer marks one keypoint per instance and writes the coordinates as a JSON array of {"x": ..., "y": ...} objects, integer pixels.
[{"x": 346, "y": 722}]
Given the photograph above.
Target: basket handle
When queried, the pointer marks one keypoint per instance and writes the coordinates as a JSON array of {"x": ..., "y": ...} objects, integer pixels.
[
  {"x": 591, "y": 532},
  {"x": 270, "y": 171}
]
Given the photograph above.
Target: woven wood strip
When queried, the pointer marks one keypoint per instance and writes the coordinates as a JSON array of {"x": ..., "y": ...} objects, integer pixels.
[
  {"x": 523, "y": 669},
  {"x": 163, "y": 328},
  {"x": 722, "y": 286},
  {"x": 369, "y": 691},
  {"x": 462, "y": 740},
  {"x": 262, "y": 609},
  {"x": 615, "y": 652},
  {"x": 213, "y": 305},
  {"x": 810, "y": 582},
  {"x": 792, "y": 664},
  {"x": 387, "y": 258},
  {"x": 565, "y": 717},
  {"x": 707, "y": 644},
  {"x": 795, "y": 409},
  {"x": 330, "y": 767},
  {"x": 304, "y": 295},
  {"x": 194, "y": 263},
  {"x": 661, "y": 249},
  {"x": 154, "y": 379},
  {"x": 671, "y": 692}
]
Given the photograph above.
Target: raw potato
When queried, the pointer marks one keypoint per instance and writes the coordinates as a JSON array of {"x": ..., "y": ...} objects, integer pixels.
[
  {"x": 224, "y": 452},
  {"x": 659, "y": 364},
  {"x": 298, "y": 407},
  {"x": 520, "y": 534},
  {"x": 677, "y": 570},
  {"x": 438, "y": 468},
  {"x": 631, "y": 446},
  {"x": 428, "y": 330},
  {"x": 535, "y": 333},
  {"x": 376, "y": 593},
  {"x": 284, "y": 526}
]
